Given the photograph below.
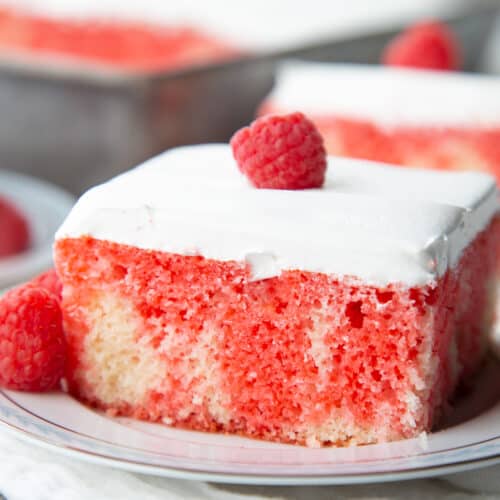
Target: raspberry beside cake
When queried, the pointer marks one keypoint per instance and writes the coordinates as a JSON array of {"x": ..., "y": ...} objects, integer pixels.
[
  {"x": 342, "y": 315},
  {"x": 401, "y": 116}
]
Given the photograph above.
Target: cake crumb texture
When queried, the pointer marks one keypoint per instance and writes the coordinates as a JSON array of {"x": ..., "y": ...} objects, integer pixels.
[{"x": 304, "y": 358}]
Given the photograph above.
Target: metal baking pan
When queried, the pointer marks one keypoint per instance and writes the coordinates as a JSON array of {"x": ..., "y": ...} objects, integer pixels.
[
  {"x": 76, "y": 125},
  {"x": 76, "y": 129}
]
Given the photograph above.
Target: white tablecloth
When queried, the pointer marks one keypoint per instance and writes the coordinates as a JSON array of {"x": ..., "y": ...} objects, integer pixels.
[{"x": 31, "y": 473}]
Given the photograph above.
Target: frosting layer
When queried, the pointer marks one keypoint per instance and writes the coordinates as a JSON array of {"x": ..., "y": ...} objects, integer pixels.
[
  {"x": 379, "y": 223},
  {"x": 388, "y": 96}
]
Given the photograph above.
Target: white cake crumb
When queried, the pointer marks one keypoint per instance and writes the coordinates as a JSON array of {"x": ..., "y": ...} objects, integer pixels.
[{"x": 197, "y": 400}]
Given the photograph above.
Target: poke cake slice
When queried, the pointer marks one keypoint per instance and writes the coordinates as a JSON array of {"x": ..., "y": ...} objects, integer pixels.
[
  {"x": 341, "y": 315},
  {"x": 412, "y": 117}
]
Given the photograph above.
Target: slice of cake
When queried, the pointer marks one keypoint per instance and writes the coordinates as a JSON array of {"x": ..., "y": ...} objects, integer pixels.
[
  {"x": 408, "y": 117},
  {"x": 342, "y": 315}
]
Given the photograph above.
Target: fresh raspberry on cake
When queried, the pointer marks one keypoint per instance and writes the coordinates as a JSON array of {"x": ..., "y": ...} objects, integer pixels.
[
  {"x": 281, "y": 152},
  {"x": 13, "y": 228},
  {"x": 32, "y": 342},
  {"x": 426, "y": 45}
]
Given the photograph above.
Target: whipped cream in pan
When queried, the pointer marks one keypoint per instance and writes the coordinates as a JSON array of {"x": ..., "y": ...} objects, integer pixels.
[
  {"x": 388, "y": 96},
  {"x": 379, "y": 223}
]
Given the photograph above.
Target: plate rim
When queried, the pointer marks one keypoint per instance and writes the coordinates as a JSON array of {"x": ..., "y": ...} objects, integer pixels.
[
  {"x": 491, "y": 440},
  {"x": 248, "y": 479},
  {"x": 200, "y": 473}
]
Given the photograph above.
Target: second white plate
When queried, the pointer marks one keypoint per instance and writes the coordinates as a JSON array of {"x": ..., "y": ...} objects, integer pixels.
[{"x": 45, "y": 207}]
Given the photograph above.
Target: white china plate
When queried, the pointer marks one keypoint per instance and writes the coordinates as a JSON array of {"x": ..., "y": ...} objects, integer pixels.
[
  {"x": 469, "y": 439},
  {"x": 45, "y": 207}
]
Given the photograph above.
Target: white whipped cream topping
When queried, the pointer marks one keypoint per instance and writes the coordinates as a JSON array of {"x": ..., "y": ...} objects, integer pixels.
[
  {"x": 388, "y": 96},
  {"x": 379, "y": 223}
]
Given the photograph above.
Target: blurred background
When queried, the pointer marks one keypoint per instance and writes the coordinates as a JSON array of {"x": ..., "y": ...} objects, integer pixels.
[{"x": 89, "y": 88}]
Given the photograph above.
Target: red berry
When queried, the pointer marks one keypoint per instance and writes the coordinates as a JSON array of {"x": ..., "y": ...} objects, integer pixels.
[
  {"x": 426, "y": 45},
  {"x": 48, "y": 281},
  {"x": 32, "y": 342},
  {"x": 13, "y": 229},
  {"x": 281, "y": 152}
]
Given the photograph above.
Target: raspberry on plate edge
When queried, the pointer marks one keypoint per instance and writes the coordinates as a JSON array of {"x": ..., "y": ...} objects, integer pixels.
[{"x": 32, "y": 341}]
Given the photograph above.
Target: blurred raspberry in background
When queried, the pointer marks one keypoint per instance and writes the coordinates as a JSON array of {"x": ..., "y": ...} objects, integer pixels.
[{"x": 14, "y": 231}]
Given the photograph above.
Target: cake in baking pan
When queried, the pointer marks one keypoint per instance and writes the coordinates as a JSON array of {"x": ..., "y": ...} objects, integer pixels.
[{"x": 120, "y": 44}]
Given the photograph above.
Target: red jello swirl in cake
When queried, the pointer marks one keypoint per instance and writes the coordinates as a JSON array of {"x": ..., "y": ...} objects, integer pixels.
[{"x": 341, "y": 315}]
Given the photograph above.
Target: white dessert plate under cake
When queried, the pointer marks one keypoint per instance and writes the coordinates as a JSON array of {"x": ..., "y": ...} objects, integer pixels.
[
  {"x": 469, "y": 439},
  {"x": 45, "y": 206}
]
